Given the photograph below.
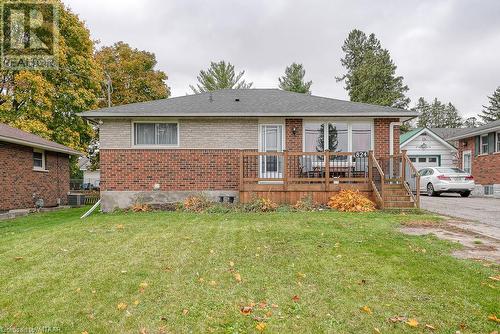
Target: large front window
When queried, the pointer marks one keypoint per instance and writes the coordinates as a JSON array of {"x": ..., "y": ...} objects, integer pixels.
[
  {"x": 156, "y": 134},
  {"x": 337, "y": 137}
]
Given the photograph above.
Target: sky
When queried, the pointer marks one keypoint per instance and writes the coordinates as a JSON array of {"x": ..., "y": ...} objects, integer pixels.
[{"x": 449, "y": 49}]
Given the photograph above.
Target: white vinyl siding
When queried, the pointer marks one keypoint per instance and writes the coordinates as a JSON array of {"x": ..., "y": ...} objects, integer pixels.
[{"x": 428, "y": 146}]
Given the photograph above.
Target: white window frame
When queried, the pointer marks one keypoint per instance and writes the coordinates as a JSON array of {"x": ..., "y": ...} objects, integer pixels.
[
  {"x": 497, "y": 148},
  {"x": 349, "y": 130},
  {"x": 36, "y": 168},
  {"x": 482, "y": 144},
  {"x": 153, "y": 146},
  {"x": 468, "y": 152}
]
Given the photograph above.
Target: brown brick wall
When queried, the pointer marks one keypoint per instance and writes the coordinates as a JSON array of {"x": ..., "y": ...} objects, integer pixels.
[
  {"x": 173, "y": 169},
  {"x": 19, "y": 181},
  {"x": 485, "y": 168},
  {"x": 293, "y": 142},
  {"x": 382, "y": 136}
]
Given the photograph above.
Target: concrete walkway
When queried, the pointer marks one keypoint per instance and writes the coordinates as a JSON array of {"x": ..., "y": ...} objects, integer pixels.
[{"x": 480, "y": 215}]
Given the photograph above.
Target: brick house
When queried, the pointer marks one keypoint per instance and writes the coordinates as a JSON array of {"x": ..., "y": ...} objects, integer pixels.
[
  {"x": 241, "y": 143},
  {"x": 479, "y": 154},
  {"x": 32, "y": 168}
]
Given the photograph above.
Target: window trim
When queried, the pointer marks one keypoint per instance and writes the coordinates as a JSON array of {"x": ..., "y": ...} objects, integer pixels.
[
  {"x": 43, "y": 167},
  {"x": 497, "y": 146},
  {"x": 481, "y": 144},
  {"x": 153, "y": 146},
  {"x": 349, "y": 130}
]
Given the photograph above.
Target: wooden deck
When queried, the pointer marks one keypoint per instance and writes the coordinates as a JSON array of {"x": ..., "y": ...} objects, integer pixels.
[{"x": 286, "y": 177}]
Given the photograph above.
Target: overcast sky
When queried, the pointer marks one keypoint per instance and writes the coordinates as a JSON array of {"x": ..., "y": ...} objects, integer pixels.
[{"x": 444, "y": 49}]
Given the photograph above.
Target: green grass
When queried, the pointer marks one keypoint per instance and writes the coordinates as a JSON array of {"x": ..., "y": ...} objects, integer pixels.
[{"x": 73, "y": 274}]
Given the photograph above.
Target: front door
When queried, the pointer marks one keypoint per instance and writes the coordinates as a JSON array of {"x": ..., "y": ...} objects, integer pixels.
[{"x": 271, "y": 166}]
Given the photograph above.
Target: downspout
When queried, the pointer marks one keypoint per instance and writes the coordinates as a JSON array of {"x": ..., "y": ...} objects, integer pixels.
[{"x": 391, "y": 136}]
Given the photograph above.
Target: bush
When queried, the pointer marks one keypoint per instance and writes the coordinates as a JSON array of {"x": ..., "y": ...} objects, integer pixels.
[
  {"x": 197, "y": 203},
  {"x": 261, "y": 204},
  {"x": 306, "y": 204},
  {"x": 351, "y": 201}
]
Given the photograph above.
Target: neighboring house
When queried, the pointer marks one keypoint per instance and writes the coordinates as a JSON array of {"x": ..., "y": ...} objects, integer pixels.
[
  {"x": 32, "y": 169},
  {"x": 91, "y": 178},
  {"x": 426, "y": 148},
  {"x": 241, "y": 143},
  {"x": 479, "y": 153}
]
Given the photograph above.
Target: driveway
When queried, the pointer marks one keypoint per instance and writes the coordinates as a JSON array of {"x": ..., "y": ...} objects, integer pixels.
[{"x": 480, "y": 215}]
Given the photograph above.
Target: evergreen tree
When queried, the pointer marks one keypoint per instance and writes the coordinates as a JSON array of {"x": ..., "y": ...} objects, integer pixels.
[
  {"x": 437, "y": 114},
  {"x": 220, "y": 75},
  {"x": 471, "y": 122},
  {"x": 293, "y": 80},
  {"x": 370, "y": 72},
  {"x": 491, "y": 112}
]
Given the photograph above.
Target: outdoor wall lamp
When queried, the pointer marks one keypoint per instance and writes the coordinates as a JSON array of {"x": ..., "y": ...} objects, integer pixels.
[{"x": 294, "y": 131}]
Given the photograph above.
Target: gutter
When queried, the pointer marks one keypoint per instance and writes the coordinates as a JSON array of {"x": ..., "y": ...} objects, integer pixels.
[
  {"x": 40, "y": 146},
  {"x": 391, "y": 136},
  {"x": 475, "y": 133}
]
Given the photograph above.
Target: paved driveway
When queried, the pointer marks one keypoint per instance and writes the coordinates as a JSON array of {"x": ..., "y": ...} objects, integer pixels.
[{"x": 482, "y": 215}]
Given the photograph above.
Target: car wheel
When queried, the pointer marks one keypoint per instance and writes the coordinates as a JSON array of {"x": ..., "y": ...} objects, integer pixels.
[
  {"x": 465, "y": 194},
  {"x": 430, "y": 190}
]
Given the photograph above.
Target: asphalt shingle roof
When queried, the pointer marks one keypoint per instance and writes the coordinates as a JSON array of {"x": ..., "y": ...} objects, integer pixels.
[
  {"x": 249, "y": 103},
  {"x": 13, "y": 135},
  {"x": 469, "y": 132}
]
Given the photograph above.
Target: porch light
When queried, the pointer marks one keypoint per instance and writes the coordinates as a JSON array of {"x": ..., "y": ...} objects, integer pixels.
[{"x": 294, "y": 131}]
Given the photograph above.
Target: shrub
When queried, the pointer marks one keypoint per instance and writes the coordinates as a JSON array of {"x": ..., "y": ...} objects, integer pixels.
[
  {"x": 306, "y": 204},
  {"x": 261, "y": 204},
  {"x": 197, "y": 203},
  {"x": 351, "y": 201}
]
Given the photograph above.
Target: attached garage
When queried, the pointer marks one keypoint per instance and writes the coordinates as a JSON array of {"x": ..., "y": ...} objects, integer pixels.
[{"x": 426, "y": 149}]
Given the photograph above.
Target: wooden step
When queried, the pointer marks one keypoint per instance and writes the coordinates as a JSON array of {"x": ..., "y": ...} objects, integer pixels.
[
  {"x": 397, "y": 197},
  {"x": 398, "y": 204},
  {"x": 395, "y": 192},
  {"x": 393, "y": 186}
]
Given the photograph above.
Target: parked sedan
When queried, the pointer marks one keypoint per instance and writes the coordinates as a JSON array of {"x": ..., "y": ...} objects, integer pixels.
[{"x": 437, "y": 180}]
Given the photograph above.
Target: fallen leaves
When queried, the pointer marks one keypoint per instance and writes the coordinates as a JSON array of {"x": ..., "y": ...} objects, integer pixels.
[
  {"x": 412, "y": 323},
  {"x": 296, "y": 298},
  {"x": 397, "y": 318},
  {"x": 366, "y": 309},
  {"x": 261, "y": 326},
  {"x": 185, "y": 311},
  {"x": 136, "y": 302},
  {"x": 431, "y": 327},
  {"x": 121, "y": 306},
  {"x": 495, "y": 278},
  {"x": 18, "y": 258},
  {"x": 494, "y": 318},
  {"x": 142, "y": 287},
  {"x": 120, "y": 227},
  {"x": 246, "y": 310},
  {"x": 237, "y": 277}
]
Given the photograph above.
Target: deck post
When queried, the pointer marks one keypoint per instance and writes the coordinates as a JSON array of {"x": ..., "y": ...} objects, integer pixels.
[
  {"x": 285, "y": 170},
  {"x": 403, "y": 166},
  {"x": 370, "y": 166},
  {"x": 327, "y": 170}
]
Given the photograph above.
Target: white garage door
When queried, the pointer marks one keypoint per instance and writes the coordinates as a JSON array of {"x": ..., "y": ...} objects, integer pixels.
[{"x": 424, "y": 161}]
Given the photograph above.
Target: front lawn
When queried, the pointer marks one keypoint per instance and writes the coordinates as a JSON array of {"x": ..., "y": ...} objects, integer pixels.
[{"x": 178, "y": 272}]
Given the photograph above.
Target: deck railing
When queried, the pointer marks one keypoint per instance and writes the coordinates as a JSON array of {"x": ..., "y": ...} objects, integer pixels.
[{"x": 325, "y": 169}]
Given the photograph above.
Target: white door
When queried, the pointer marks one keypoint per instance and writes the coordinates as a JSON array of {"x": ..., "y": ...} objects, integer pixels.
[
  {"x": 271, "y": 135},
  {"x": 467, "y": 161}
]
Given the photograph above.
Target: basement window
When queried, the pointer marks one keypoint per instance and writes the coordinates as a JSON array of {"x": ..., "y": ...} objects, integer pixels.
[
  {"x": 38, "y": 159},
  {"x": 488, "y": 190}
]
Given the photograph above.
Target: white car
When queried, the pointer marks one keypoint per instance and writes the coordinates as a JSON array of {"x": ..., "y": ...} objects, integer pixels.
[{"x": 437, "y": 180}]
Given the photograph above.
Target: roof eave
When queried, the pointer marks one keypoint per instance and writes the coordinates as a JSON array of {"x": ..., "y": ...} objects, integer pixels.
[
  {"x": 40, "y": 146},
  {"x": 475, "y": 133}
]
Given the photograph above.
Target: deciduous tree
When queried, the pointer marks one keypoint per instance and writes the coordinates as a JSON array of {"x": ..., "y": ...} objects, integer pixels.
[{"x": 133, "y": 74}]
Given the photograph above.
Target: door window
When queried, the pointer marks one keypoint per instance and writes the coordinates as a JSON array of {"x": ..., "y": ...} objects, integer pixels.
[{"x": 467, "y": 163}]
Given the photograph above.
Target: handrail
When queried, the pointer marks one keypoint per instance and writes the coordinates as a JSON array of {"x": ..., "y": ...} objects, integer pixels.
[
  {"x": 380, "y": 194},
  {"x": 377, "y": 165},
  {"x": 379, "y": 198},
  {"x": 413, "y": 169}
]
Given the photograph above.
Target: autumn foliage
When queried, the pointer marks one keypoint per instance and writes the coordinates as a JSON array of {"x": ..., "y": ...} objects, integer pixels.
[
  {"x": 197, "y": 203},
  {"x": 261, "y": 204},
  {"x": 351, "y": 201}
]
